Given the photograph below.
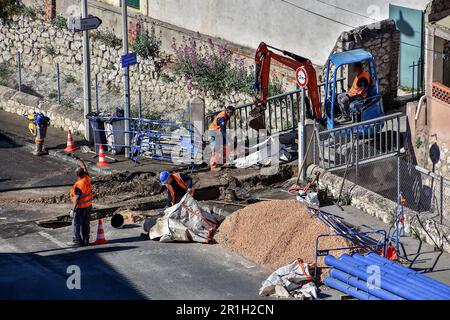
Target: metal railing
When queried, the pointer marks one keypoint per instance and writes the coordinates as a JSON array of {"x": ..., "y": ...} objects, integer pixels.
[
  {"x": 282, "y": 113},
  {"x": 358, "y": 143},
  {"x": 172, "y": 141}
]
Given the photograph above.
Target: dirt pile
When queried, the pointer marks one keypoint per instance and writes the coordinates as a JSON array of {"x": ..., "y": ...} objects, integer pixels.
[{"x": 274, "y": 233}]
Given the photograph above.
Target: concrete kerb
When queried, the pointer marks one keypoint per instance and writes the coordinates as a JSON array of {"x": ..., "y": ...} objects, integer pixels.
[{"x": 59, "y": 154}]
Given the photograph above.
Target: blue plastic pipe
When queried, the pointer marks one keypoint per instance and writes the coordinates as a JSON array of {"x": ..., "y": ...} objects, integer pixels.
[
  {"x": 348, "y": 289},
  {"x": 363, "y": 263},
  {"x": 411, "y": 277},
  {"x": 409, "y": 271},
  {"x": 362, "y": 285},
  {"x": 353, "y": 270}
]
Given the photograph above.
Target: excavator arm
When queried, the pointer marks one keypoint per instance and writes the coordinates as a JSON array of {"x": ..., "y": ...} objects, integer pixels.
[{"x": 263, "y": 59}]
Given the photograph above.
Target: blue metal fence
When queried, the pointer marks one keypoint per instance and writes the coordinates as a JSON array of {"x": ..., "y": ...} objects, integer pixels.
[{"x": 172, "y": 141}]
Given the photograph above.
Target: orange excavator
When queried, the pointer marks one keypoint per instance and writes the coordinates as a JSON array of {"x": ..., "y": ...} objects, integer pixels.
[{"x": 263, "y": 59}]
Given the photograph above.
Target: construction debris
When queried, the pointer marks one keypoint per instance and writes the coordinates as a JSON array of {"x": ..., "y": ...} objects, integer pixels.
[
  {"x": 274, "y": 233},
  {"x": 291, "y": 281},
  {"x": 184, "y": 222}
]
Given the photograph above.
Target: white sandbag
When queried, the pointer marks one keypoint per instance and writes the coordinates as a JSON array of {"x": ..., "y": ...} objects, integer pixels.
[
  {"x": 293, "y": 280},
  {"x": 185, "y": 222},
  {"x": 264, "y": 153}
]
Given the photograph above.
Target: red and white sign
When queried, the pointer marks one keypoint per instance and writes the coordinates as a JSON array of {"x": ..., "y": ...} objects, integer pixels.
[{"x": 302, "y": 77}]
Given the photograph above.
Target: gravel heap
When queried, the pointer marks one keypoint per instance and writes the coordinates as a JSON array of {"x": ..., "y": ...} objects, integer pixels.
[{"x": 274, "y": 233}]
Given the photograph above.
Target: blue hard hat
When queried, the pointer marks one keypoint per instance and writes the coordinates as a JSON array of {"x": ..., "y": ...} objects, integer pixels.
[{"x": 164, "y": 176}]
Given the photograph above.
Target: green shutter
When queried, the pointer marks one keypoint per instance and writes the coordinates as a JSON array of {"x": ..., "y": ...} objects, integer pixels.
[
  {"x": 410, "y": 23},
  {"x": 133, "y": 3}
]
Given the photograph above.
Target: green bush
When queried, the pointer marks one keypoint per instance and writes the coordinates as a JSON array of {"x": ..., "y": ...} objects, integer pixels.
[
  {"x": 49, "y": 50},
  {"x": 32, "y": 12},
  {"x": 10, "y": 8},
  {"x": 147, "y": 43},
  {"x": 69, "y": 78},
  {"x": 5, "y": 73},
  {"x": 52, "y": 95},
  {"x": 213, "y": 69},
  {"x": 59, "y": 22},
  {"x": 107, "y": 37}
]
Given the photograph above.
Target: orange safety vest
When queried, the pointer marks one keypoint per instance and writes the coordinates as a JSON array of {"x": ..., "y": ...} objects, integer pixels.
[
  {"x": 355, "y": 90},
  {"x": 183, "y": 184},
  {"x": 85, "y": 185},
  {"x": 214, "y": 126}
]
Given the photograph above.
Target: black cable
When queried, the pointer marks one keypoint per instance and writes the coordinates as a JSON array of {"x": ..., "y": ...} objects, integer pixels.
[{"x": 353, "y": 27}]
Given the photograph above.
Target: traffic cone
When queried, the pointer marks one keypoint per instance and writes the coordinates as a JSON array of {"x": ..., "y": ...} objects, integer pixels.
[
  {"x": 70, "y": 144},
  {"x": 100, "y": 234},
  {"x": 101, "y": 157}
]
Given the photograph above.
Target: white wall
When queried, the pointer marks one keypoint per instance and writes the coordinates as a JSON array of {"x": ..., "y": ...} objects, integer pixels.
[{"x": 248, "y": 22}]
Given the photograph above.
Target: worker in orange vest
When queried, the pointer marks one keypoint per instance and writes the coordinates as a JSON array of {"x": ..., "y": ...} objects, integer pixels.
[
  {"x": 218, "y": 128},
  {"x": 82, "y": 198},
  {"x": 177, "y": 185},
  {"x": 358, "y": 91}
]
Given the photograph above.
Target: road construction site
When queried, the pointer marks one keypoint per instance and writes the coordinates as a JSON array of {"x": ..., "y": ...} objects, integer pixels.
[{"x": 261, "y": 227}]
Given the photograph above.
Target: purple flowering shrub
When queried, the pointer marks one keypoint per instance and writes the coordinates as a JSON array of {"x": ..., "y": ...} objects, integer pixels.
[{"x": 212, "y": 69}]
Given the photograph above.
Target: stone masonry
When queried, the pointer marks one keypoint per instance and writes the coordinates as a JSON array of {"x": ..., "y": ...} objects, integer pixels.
[
  {"x": 161, "y": 89},
  {"x": 382, "y": 39}
]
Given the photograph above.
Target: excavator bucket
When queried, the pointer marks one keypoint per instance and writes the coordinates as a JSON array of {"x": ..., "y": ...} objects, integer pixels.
[{"x": 257, "y": 118}]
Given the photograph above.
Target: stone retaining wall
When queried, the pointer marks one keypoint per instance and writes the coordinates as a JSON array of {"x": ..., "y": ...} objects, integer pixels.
[
  {"x": 161, "y": 89},
  {"x": 22, "y": 103}
]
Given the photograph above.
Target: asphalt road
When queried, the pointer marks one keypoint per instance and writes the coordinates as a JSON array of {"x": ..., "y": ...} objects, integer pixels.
[
  {"x": 19, "y": 169},
  {"x": 34, "y": 261},
  {"x": 35, "y": 266}
]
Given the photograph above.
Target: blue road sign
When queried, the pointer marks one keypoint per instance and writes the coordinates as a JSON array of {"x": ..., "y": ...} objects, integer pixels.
[{"x": 128, "y": 59}]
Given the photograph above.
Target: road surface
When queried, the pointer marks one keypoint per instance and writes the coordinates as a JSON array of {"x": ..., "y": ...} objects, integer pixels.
[{"x": 34, "y": 261}]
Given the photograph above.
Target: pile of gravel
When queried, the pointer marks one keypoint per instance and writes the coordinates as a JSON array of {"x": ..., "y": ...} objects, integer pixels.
[{"x": 274, "y": 233}]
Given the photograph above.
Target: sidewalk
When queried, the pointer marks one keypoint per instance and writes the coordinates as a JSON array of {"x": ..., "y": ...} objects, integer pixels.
[{"x": 15, "y": 128}]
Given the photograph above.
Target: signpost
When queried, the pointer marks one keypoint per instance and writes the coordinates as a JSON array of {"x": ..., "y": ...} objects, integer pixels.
[
  {"x": 79, "y": 24},
  {"x": 302, "y": 77},
  {"x": 84, "y": 24},
  {"x": 128, "y": 59}
]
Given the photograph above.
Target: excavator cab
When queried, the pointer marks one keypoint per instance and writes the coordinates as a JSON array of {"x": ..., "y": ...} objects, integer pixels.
[{"x": 361, "y": 110}]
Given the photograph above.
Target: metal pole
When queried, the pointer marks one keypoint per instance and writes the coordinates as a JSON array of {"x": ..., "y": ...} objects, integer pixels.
[
  {"x": 140, "y": 104},
  {"x": 87, "y": 73},
  {"x": 19, "y": 71},
  {"x": 126, "y": 79},
  {"x": 302, "y": 138},
  {"x": 58, "y": 82},
  {"x": 97, "y": 108},
  {"x": 398, "y": 162},
  {"x": 442, "y": 199}
]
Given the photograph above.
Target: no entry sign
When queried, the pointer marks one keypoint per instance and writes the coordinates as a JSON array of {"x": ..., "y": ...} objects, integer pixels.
[{"x": 302, "y": 77}]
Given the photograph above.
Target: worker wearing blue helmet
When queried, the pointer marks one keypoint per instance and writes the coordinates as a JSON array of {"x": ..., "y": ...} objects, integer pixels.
[{"x": 177, "y": 185}]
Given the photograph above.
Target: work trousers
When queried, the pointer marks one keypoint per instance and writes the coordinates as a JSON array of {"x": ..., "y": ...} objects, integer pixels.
[{"x": 81, "y": 225}]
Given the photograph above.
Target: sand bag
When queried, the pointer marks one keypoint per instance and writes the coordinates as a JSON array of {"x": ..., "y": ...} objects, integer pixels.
[
  {"x": 266, "y": 153},
  {"x": 184, "y": 222},
  {"x": 291, "y": 281}
]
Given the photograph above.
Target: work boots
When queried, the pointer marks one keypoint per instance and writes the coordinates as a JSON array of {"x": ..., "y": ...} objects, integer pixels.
[{"x": 39, "y": 150}]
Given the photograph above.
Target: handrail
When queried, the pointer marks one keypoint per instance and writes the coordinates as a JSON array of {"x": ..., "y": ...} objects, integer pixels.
[{"x": 364, "y": 123}]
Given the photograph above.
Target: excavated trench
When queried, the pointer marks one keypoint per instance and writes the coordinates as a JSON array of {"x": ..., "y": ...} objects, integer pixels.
[{"x": 143, "y": 192}]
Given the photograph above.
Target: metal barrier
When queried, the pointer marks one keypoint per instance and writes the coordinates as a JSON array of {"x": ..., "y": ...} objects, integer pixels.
[
  {"x": 357, "y": 143},
  {"x": 282, "y": 113},
  {"x": 377, "y": 246},
  {"x": 172, "y": 141}
]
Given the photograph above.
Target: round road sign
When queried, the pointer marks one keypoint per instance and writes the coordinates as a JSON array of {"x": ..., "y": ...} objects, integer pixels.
[{"x": 302, "y": 77}]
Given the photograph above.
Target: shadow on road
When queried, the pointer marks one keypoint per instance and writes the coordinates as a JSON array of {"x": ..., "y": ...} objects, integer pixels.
[{"x": 31, "y": 275}]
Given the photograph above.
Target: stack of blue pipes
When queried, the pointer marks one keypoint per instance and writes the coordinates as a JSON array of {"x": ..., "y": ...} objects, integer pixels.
[{"x": 372, "y": 277}]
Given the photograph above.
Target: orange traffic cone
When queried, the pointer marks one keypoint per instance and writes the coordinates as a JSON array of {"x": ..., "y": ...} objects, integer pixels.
[
  {"x": 70, "y": 144},
  {"x": 101, "y": 157},
  {"x": 100, "y": 234}
]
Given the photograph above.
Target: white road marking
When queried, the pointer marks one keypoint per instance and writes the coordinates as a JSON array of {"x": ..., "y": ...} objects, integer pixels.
[{"x": 55, "y": 241}]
